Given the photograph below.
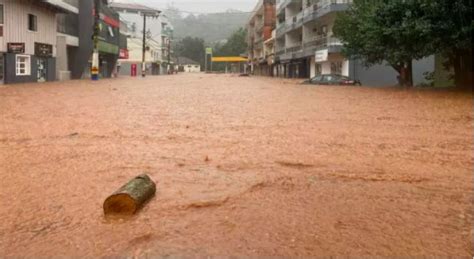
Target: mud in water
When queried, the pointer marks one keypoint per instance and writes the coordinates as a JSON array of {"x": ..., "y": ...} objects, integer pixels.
[{"x": 243, "y": 166}]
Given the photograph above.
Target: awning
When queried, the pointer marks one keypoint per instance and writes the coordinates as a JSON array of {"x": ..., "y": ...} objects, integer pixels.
[{"x": 229, "y": 59}]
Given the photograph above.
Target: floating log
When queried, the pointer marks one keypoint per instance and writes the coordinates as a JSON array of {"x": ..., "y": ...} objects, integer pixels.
[{"x": 131, "y": 197}]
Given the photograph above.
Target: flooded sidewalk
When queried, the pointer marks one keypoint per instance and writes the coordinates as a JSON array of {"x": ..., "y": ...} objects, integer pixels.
[{"x": 243, "y": 166}]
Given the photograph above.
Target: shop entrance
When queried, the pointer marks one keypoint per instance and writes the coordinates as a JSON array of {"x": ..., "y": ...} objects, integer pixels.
[{"x": 42, "y": 65}]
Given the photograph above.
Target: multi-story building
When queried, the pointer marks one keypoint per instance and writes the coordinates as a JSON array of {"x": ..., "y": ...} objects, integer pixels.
[
  {"x": 75, "y": 28},
  {"x": 156, "y": 43},
  {"x": 305, "y": 45},
  {"x": 27, "y": 41},
  {"x": 259, "y": 30}
]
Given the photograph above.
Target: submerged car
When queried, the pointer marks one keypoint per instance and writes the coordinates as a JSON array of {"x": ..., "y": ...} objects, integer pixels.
[{"x": 331, "y": 79}]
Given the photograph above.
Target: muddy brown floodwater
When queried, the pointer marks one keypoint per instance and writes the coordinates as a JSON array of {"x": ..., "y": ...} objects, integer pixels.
[{"x": 244, "y": 166}]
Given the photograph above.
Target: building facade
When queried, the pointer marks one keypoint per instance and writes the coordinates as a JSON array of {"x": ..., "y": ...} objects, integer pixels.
[
  {"x": 186, "y": 65},
  {"x": 157, "y": 41},
  {"x": 27, "y": 41},
  {"x": 259, "y": 30},
  {"x": 305, "y": 45},
  {"x": 75, "y": 28}
]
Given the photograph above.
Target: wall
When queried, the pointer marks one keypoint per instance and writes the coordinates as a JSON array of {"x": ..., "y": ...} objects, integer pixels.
[
  {"x": 10, "y": 70},
  {"x": 192, "y": 69}
]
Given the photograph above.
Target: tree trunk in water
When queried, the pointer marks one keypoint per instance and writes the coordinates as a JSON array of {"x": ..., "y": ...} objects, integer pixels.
[
  {"x": 405, "y": 71},
  {"x": 130, "y": 197},
  {"x": 462, "y": 64}
]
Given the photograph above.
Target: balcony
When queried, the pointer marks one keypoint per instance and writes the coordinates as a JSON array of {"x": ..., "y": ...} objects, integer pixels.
[
  {"x": 334, "y": 45},
  {"x": 324, "y": 7},
  {"x": 280, "y": 52},
  {"x": 295, "y": 48}
]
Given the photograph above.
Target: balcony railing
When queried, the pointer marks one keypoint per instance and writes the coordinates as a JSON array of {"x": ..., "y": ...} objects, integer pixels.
[
  {"x": 322, "y": 42},
  {"x": 295, "y": 48},
  {"x": 280, "y": 52}
]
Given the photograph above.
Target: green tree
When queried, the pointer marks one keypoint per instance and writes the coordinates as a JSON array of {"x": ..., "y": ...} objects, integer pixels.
[
  {"x": 399, "y": 32},
  {"x": 452, "y": 27},
  {"x": 192, "y": 48},
  {"x": 235, "y": 45}
]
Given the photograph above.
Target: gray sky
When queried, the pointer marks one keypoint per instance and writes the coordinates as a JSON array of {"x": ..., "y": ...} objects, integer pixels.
[{"x": 199, "y": 6}]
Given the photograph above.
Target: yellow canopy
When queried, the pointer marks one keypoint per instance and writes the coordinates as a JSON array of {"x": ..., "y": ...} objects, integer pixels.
[{"x": 229, "y": 59}]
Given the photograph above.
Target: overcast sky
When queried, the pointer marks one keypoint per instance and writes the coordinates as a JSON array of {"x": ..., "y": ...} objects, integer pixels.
[{"x": 199, "y": 6}]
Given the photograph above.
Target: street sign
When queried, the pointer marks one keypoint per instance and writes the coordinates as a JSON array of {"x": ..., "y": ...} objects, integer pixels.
[
  {"x": 209, "y": 51},
  {"x": 321, "y": 55}
]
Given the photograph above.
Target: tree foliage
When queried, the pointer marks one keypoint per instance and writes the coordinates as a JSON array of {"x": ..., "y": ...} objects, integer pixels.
[
  {"x": 401, "y": 31},
  {"x": 235, "y": 45},
  {"x": 212, "y": 27},
  {"x": 192, "y": 48}
]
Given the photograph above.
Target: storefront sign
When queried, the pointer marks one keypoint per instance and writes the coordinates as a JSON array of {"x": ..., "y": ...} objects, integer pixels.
[
  {"x": 43, "y": 50},
  {"x": 17, "y": 48},
  {"x": 321, "y": 55},
  {"x": 123, "y": 54}
]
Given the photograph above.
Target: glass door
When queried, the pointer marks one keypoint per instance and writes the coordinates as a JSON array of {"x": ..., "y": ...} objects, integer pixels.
[{"x": 42, "y": 69}]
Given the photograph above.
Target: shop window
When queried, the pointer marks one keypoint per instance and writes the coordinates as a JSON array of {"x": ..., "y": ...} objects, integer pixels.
[
  {"x": 32, "y": 22},
  {"x": 23, "y": 65},
  {"x": 336, "y": 67}
]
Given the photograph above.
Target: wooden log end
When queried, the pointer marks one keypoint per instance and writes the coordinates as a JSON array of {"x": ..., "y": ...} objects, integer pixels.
[
  {"x": 131, "y": 197},
  {"x": 120, "y": 204}
]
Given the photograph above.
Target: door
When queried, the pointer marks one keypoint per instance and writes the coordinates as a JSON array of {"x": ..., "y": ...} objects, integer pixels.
[
  {"x": 2, "y": 68},
  {"x": 42, "y": 69}
]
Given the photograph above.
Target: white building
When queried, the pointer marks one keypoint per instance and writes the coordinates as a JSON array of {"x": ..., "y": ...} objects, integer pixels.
[
  {"x": 157, "y": 38},
  {"x": 187, "y": 65},
  {"x": 27, "y": 41}
]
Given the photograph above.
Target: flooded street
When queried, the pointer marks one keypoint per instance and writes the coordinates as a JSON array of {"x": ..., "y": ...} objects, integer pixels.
[{"x": 243, "y": 166}]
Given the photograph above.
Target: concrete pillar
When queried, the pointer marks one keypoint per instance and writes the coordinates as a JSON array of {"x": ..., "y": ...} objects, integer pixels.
[{"x": 62, "y": 71}]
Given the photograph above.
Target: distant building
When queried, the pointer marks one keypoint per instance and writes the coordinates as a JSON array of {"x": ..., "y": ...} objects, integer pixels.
[
  {"x": 158, "y": 34},
  {"x": 259, "y": 30},
  {"x": 187, "y": 65},
  {"x": 27, "y": 41}
]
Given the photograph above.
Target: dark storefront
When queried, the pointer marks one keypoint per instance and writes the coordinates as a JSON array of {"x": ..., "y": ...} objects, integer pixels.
[{"x": 24, "y": 68}]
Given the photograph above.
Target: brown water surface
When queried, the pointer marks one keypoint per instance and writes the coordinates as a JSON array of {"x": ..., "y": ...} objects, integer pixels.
[{"x": 243, "y": 166}]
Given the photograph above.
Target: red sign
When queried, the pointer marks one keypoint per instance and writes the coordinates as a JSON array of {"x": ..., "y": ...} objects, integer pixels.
[
  {"x": 134, "y": 70},
  {"x": 123, "y": 54}
]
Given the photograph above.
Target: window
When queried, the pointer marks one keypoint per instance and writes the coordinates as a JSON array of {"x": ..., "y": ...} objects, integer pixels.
[
  {"x": 23, "y": 65},
  {"x": 32, "y": 22},
  {"x": 1, "y": 14}
]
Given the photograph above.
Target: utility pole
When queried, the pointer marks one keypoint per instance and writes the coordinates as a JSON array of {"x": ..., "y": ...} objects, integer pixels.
[
  {"x": 144, "y": 46},
  {"x": 95, "y": 54},
  {"x": 169, "y": 51}
]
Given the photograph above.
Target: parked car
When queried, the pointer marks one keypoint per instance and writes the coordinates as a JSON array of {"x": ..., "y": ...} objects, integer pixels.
[{"x": 331, "y": 79}]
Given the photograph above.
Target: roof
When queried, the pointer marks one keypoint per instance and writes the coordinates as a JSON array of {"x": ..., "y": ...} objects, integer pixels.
[
  {"x": 133, "y": 7},
  {"x": 229, "y": 59},
  {"x": 59, "y": 6},
  {"x": 186, "y": 61}
]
